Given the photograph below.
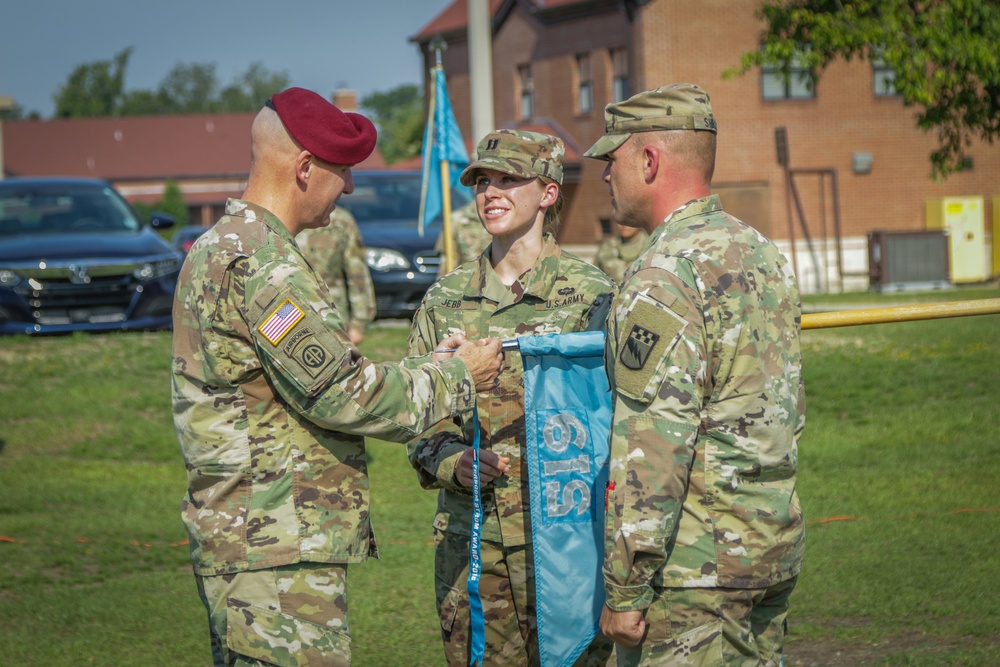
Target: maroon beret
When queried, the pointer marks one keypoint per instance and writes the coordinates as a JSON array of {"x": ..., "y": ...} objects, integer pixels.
[{"x": 323, "y": 129}]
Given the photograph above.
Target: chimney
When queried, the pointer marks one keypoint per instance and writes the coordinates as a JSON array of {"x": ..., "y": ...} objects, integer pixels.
[{"x": 345, "y": 100}]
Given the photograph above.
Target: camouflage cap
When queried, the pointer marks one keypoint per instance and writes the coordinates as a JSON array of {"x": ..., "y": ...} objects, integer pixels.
[
  {"x": 520, "y": 153},
  {"x": 679, "y": 106}
]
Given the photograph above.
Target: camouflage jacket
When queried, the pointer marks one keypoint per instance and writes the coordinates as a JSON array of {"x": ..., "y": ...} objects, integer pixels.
[
  {"x": 616, "y": 254},
  {"x": 271, "y": 403},
  {"x": 338, "y": 256},
  {"x": 471, "y": 238},
  {"x": 562, "y": 293},
  {"x": 705, "y": 367}
]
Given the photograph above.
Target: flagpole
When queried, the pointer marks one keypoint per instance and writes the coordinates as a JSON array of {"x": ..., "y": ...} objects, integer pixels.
[
  {"x": 929, "y": 311},
  {"x": 449, "y": 239}
]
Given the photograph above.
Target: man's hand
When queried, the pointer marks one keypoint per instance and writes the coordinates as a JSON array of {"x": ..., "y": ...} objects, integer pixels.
[
  {"x": 484, "y": 359},
  {"x": 448, "y": 347},
  {"x": 625, "y": 627},
  {"x": 356, "y": 335},
  {"x": 491, "y": 466}
]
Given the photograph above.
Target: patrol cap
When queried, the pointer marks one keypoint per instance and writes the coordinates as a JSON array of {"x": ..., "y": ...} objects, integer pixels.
[
  {"x": 679, "y": 106},
  {"x": 519, "y": 153},
  {"x": 323, "y": 129}
]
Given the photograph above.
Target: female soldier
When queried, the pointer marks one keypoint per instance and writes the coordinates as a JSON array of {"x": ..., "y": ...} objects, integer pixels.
[{"x": 523, "y": 284}]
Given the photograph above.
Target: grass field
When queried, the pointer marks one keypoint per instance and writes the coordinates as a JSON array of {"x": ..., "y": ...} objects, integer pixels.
[{"x": 898, "y": 478}]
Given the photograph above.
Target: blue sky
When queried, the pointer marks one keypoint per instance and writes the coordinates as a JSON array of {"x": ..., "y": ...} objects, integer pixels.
[{"x": 322, "y": 45}]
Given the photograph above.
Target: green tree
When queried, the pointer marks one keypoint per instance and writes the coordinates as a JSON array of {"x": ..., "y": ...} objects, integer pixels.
[
  {"x": 250, "y": 90},
  {"x": 399, "y": 115},
  {"x": 944, "y": 54},
  {"x": 188, "y": 89},
  {"x": 94, "y": 89},
  {"x": 172, "y": 202}
]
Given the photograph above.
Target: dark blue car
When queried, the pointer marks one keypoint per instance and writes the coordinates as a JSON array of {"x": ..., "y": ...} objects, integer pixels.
[
  {"x": 75, "y": 257},
  {"x": 403, "y": 263}
]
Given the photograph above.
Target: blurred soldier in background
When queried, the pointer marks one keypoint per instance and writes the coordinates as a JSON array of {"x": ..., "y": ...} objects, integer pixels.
[
  {"x": 619, "y": 250},
  {"x": 338, "y": 256}
]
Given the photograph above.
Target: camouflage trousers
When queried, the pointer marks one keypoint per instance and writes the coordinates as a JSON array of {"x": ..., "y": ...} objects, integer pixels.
[
  {"x": 292, "y": 616},
  {"x": 507, "y": 590},
  {"x": 713, "y": 627}
]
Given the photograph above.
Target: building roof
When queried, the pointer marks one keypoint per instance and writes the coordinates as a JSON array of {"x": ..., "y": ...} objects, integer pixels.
[
  {"x": 135, "y": 147},
  {"x": 455, "y": 17},
  {"x": 452, "y": 18}
]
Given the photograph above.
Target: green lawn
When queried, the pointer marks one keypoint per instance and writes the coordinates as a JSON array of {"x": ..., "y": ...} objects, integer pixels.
[{"x": 898, "y": 473}]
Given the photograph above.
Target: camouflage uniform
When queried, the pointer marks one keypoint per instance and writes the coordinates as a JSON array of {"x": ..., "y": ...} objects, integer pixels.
[
  {"x": 471, "y": 238},
  {"x": 338, "y": 256},
  {"x": 271, "y": 405},
  {"x": 615, "y": 254},
  {"x": 562, "y": 293},
  {"x": 705, "y": 366}
]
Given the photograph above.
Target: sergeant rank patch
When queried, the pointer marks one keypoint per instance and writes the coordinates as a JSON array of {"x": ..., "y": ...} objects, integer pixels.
[
  {"x": 640, "y": 343},
  {"x": 281, "y": 322}
]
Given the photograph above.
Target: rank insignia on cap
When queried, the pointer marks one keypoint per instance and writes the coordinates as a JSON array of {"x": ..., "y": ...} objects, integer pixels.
[
  {"x": 281, "y": 321},
  {"x": 636, "y": 350}
]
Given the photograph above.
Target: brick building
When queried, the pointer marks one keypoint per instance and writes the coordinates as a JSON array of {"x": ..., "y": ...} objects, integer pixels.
[{"x": 857, "y": 161}]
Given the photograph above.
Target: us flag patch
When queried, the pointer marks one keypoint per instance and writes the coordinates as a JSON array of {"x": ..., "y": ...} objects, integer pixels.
[
  {"x": 636, "y": 350},
  {"x": 281, "y": 322}
]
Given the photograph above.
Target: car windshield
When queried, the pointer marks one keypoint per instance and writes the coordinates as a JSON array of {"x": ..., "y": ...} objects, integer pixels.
[
  {"x": 63, "y": 210},
  {"x": 392, "y": 197}
]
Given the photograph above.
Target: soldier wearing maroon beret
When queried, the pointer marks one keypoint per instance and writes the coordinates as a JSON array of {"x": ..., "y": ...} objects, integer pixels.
[{"x": 272, "y": 402}]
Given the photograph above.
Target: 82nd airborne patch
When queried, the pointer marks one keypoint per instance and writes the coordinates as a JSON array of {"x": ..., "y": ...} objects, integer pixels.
[{"x": 637, "y": 348}]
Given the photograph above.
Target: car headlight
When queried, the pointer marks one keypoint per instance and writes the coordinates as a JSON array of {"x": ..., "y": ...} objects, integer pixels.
[
  {"x": 151, "y": 270},
  {"x": 384, "y": 259},
  {"x": 9, "y": 278}
]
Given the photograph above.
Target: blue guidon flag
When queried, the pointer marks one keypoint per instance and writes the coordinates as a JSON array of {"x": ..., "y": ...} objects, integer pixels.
[{"x": 567, "y": 407}]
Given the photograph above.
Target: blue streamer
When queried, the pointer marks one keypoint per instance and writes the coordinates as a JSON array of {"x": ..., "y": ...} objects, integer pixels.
[{"x": 478, "y": 631}]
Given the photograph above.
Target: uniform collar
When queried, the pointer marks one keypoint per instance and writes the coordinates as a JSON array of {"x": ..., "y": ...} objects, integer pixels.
[
  {"x": 252, "y": 211},
  {"x": 691, "y": 209},
  {"x": 539, "y": 281}
]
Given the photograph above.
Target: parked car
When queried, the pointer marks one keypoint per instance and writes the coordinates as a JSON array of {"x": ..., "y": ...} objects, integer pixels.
[
  {"x": 75, "y": 257},
  {"x": 403, "y": 263},
  {"x": 185, "y": 237}
]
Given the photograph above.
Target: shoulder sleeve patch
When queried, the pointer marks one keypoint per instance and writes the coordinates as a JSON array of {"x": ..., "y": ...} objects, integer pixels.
[
  {"x": 280, "y": 322},
  {"x": 651, "y": 330}
]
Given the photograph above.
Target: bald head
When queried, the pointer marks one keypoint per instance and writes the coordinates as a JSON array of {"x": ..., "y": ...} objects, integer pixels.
[{"x": 270, "y": 142}]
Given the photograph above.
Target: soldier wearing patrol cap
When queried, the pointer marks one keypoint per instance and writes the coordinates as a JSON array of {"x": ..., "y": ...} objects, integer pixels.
[
  {"x": 272, "y": 403},
  {"x": 704, "y": 531},
  {"x": 522, "y": 284}
]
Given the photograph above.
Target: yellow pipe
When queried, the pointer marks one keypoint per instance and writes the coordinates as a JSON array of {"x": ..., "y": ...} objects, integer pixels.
[{"x": 929, "y": 311}]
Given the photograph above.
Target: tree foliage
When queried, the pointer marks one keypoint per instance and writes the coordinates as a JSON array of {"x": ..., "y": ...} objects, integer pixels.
[
  {"x": 98, "y": 89},
  {"x": 944, "y": 54},
  {"x": 172, "y": 203},
  {"x": 399, "y": 115},
  {"x": 94, "y": 89}
]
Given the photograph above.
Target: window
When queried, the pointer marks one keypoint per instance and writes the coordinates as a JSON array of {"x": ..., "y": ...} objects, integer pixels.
[
  {"x": 619, "y": 68},
  {"x": 527, "y": 87},
  {"x": 799, "y": 84},
  {"x": 585, "y": 85},
  {"x": 883, "y": 78}
]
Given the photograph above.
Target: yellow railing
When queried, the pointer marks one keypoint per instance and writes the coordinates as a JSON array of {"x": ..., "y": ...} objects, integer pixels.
[{"x": 928, "y": 311}]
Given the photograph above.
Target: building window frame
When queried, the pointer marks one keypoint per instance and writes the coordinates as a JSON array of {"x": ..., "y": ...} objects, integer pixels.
[
  {"x": 791, "y": 80},
  {"x": 584, "y": 84},
  {"x": 883, "y": 78},
  {"x": 526, "y": 92},
  {"x": 619, "y": 74}
]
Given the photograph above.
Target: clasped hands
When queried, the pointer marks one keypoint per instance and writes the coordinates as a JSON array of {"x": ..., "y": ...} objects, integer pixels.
[{"x": 483, "y": 358}]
